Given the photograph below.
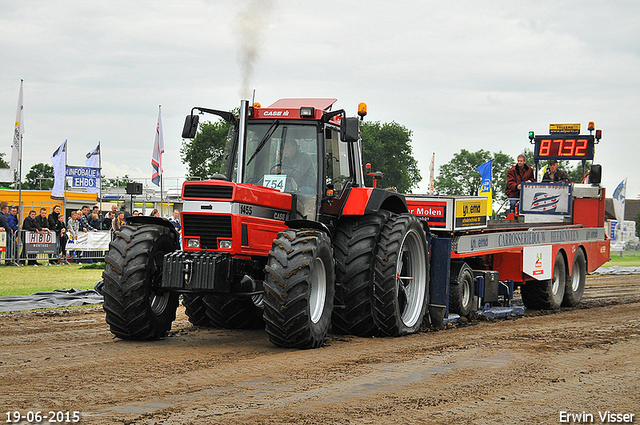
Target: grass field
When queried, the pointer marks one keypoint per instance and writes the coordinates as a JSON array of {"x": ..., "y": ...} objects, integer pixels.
[
  {"x": 28, "y": 279},
  {"x": 629, "y": 259}
]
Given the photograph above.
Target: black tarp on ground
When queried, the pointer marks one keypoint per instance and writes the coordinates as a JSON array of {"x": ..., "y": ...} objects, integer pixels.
[
  {"x": 55, "y": 299},
  {"x": 80, "y": 297}
]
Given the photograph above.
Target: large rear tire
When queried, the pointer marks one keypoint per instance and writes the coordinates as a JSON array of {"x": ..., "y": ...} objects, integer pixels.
[
  {"x": 575, "y": 283},
  {"x": 461, "y": 289},
  {"x": 195, "y": 309},
  {"x": 299, "y": 288},
  {"x": 135, "y": 306},
  {"x": 401, "y": 278},
  {"x": 233, "y": 312},
  {"x": 546, "y": 294},
  {"x": 354, "y": 244}
]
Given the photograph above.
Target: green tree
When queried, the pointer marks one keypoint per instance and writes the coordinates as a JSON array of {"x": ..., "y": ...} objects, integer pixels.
[
  {"x": 204, "y": 155},
  {"x": 3, "y": 163},
  {"x": 116, "y": 182},
  {"x": 39, "y": 177},
  {"x": 387, "y": 147},
  {"x": 460, "y": 177}
]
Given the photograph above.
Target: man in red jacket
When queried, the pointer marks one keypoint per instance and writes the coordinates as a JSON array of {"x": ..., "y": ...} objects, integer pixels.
[{"x": 516, "y": 175}]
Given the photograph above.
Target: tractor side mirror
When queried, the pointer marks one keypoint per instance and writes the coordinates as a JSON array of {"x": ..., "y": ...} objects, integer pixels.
[
  {"x": 350, "y": 129},
  {"x": 190, "y": 126}
]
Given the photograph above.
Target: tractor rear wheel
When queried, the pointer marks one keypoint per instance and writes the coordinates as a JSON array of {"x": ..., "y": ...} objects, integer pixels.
[
  {"x": 401, "y": 277},
  {"x": 546, "y": 294},
  {"x": 299, "y": 288},
  {"x": 575, "y": 283},
  {"x": 233, "y": 312},
  {"x": 195, "y": 309},
  {"x": 354, "y": 244},
  {"x": 135, "y": 306}
]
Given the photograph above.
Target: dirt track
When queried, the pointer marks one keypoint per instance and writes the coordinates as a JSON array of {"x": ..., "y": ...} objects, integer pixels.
[{"x": 510, "y": 371}]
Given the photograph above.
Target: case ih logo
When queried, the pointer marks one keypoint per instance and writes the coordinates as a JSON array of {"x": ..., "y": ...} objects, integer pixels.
[{"x": 276, "y": 113}]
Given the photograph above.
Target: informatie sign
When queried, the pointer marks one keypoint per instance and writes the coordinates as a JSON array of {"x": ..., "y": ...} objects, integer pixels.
[
  {"x": 40, "y": 243},
  {"x": 545, "y": 198},
  {"x": 84, "y": 176},
  {"x": 536, "y": 261}
]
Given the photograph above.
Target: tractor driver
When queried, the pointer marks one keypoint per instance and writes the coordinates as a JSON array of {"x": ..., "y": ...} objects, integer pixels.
[{"x": 299, "y": 167}]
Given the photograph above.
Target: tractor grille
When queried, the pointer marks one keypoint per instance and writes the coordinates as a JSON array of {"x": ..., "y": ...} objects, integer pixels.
[
  {"x": 207, "y": 191},
  {"x": 208, "y": 227}
]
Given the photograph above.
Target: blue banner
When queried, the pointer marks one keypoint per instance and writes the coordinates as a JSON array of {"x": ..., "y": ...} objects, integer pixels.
[{"x": 84, "y": 176}]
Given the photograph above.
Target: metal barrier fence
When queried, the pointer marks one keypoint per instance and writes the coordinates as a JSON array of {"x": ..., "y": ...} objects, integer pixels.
[{"x": 44, "y": 248}]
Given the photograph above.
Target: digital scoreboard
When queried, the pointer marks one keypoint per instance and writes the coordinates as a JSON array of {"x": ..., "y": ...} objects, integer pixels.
[{"x": 564, "y": 147}]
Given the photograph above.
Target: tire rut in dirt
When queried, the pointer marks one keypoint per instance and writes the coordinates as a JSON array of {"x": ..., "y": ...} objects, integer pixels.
[
  {"x": 354, "y": 242},
  {"x": 299, "y": 288},
  {"x": 134, "y": 308},
  {"x": 401, "y": 277}
]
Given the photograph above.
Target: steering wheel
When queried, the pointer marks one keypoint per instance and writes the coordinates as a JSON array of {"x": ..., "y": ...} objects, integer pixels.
[{"x": 282, "y": 169}]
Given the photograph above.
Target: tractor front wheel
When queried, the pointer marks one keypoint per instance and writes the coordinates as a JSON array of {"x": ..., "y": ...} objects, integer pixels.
[
  {"x": 299, "y": 288},
  {"x": 135, "y": 306}
]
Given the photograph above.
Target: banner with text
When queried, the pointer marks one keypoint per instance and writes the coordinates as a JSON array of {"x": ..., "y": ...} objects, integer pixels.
[
  {"x": 84, "y": 176},
  {"x": 91, "y": 241}
]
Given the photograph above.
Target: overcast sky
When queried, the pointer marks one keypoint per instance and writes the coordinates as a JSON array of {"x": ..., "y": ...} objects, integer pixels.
[{"x": 459, "y": 74}]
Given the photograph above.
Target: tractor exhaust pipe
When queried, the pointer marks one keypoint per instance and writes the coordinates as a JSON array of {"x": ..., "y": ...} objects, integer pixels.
[{"x": 242, "y": 138}]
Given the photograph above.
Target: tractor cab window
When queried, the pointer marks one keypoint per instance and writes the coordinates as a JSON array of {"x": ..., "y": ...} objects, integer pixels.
[
  {"x": 284, "y": 156},
  {"x": 337, "y": 159}
]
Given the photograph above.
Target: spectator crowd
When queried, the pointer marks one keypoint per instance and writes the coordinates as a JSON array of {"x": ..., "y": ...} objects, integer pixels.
[{"x": 82, "y": 221}]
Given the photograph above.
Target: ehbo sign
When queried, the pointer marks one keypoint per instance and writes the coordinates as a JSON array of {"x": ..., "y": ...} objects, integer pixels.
[{"x": 84, "y": 176}]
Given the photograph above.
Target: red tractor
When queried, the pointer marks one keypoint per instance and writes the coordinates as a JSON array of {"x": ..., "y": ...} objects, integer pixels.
[{"x": 287, "y": 237}]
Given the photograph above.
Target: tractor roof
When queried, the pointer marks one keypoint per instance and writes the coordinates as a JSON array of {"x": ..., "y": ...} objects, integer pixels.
[{"x": 321, "y": 104}]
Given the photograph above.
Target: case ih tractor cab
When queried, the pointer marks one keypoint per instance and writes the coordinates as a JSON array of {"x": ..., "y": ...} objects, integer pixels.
[{"x": 287, "y": 237}]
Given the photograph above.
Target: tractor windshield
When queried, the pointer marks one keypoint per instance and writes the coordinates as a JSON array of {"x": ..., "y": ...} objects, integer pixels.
[{"x": 283, "y": 156}]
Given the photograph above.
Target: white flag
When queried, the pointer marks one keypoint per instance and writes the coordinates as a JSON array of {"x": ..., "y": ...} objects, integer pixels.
[
  {"x": 158, "y": 150},
  {"x": 619, "y": 196},
  {"x": 59, "y": 161},
  {"x": 93, "y": 160},
  {"x": 16, "y": 151}
]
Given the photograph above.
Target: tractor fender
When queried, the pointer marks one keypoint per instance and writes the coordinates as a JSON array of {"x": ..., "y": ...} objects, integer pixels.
[
  {"x": 307, "y": 224},
  {"x": 366, "y": 200},
  {"x": 158, "y": 221}
]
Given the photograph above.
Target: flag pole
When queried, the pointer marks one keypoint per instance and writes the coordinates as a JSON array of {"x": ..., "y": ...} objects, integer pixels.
[
  {"x": 100, "y": 175},
  {"x": 21, "y": 106},
  {"x": 161, "y": 194},
  {"x": 64, "y": 183}
]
